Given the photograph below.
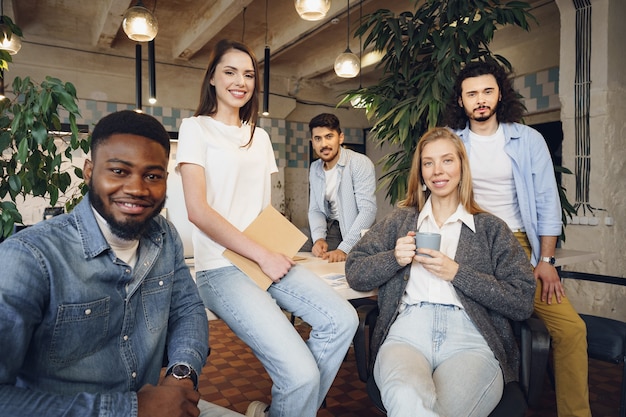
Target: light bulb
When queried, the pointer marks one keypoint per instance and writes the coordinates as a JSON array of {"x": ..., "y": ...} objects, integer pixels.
[
  {"x": 347, "y": 65},
  {"x": 312, "y": 9},
  {"x": 139, "y": 24},
  {"x": 11, "y": 46}
]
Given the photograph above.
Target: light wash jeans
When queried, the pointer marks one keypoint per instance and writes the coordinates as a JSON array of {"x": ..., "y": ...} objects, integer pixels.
[
  {"x": 208, "y": 409},
  {"x": 434, "y": 362},
  {"x": 301, "y": 372}
]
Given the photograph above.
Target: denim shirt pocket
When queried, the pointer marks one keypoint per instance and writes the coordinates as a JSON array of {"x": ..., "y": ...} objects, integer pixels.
[
  {"x": 80, "y": 330},
  {"x": 156, "y": 294}
]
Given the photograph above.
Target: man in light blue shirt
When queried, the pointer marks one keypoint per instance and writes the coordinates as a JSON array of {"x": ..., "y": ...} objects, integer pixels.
[
  {"x": 513, "y": 177},
  {"x": 92, "y": 302},
  {"x": 342, "y": 184}
]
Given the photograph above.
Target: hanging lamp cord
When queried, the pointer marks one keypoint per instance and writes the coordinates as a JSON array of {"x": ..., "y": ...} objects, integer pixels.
[
  {"x": 266, "y": 25},
  {"x": 348, "y": 37}
]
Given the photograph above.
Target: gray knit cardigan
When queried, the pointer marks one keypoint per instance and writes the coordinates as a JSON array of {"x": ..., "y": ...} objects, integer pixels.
[{"x": 495, "y": 282}]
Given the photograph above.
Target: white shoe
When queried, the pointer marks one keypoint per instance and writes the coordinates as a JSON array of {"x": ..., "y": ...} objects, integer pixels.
[{"x": 257, "y": 409}]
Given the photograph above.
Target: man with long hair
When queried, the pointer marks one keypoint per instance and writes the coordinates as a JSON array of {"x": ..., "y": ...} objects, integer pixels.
[{"x": 513, "y": 178}]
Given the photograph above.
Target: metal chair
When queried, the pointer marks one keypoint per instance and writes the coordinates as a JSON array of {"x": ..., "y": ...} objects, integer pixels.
[
  {"x": 534, "y": 342},
  {"x": 606, "y": 338}
]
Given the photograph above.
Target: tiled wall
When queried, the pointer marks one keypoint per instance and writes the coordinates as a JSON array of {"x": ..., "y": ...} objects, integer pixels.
[{"x": 540, "y": 90}]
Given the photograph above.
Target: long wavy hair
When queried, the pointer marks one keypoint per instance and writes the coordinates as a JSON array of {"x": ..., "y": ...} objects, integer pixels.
[
  {"x": 208, "y": 97},
  {"x": 417, "y": 195},
  {"x": 509, "y": 110}
]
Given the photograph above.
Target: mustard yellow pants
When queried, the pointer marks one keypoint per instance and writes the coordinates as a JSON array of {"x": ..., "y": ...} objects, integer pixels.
[{"x": 569, "y": 350}]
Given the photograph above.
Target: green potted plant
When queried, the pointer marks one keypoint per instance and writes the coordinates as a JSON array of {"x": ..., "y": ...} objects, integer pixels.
[{"x": 35, "y": 155}]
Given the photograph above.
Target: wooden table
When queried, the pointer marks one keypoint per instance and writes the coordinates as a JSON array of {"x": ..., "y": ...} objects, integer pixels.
[{"x": 333, "y": 273}]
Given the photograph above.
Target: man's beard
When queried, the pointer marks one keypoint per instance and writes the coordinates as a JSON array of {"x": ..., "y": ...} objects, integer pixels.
[
  {"x": 127, "y": 230},
  {"x": 328, "y": 158},
  {"x": 484, "y": 118}
]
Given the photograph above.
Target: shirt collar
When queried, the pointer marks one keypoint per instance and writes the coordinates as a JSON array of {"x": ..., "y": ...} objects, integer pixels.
[{"x": 459, "y": 215}]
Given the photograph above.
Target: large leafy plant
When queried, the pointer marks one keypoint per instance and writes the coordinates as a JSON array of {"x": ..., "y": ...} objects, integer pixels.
[
  {"x": 35, "y": 154},
  {"x": 423, "y": 52}
]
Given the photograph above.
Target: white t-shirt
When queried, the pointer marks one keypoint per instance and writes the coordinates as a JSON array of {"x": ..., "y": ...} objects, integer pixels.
[
  {"x": 238, "y": 178},
  {"x": 332, "y": 186},
  {"x": 492, "y": 178}
]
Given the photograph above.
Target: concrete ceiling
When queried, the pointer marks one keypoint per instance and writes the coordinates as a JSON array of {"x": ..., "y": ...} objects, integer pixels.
[
  {"x": 188, "y": 29},
  {"x": 301, "y": 50}
]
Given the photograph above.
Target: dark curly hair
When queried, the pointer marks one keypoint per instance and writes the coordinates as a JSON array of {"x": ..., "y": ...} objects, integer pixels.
[
  {"x": 132, "y": 123},
  {"x": 510, "y": 109}
]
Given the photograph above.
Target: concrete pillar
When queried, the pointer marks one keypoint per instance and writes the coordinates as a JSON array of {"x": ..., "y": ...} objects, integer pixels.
[{"x": 605, "y": 188}]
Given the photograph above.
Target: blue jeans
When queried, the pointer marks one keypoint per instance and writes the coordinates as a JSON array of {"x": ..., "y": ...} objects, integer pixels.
[
  {"x": 301, "y": 371},
  {"x": 434, "y": 362}
]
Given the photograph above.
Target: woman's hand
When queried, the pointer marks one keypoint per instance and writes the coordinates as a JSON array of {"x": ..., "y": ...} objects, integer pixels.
[
  {"x": 275, "y": 265},
  {"x": 405, "y": 249},
  {"x": 438, "y": 264}
]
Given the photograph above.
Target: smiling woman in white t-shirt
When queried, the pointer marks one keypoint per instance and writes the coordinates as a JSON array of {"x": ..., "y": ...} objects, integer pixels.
[{"x": 226, "y": 163}]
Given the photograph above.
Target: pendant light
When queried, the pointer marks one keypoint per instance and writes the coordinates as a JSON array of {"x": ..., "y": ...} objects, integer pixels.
[
  {"x": 266, "y": 70},
  {"x": 9, "y": 33},
  {"x": 151, "y": 73},
  {"x": 2, "y": 96},
  {"x": 347, "y": 65},
  {"x": 357, "y": 101},
  {"x": 139, "y": 23},
  {"x": 138, "y": 104},
  {"x": 312, "y": 9}
]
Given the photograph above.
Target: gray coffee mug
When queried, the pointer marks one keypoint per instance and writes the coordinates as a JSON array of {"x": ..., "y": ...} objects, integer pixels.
[{"x": 427, "y": 240}]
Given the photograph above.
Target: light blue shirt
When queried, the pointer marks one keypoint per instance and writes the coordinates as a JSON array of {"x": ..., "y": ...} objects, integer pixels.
[
  {"x": 80, "y": 330},
  {"x": 355, "y": 198},
  {"x": 535, "y": 183}
]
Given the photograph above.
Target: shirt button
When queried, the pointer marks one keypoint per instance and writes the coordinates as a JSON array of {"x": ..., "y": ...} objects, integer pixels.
[
  {"x": 125, "y": 337},
  {"x": 134, "y": 374},
  {"x": 160, "y": 283},
  {"x": 127, "y": 271},
  {"x": 88, "y": 311}
]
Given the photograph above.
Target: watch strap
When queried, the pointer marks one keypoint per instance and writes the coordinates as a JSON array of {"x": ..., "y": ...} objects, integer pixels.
[{"x": 549, "y": 259}]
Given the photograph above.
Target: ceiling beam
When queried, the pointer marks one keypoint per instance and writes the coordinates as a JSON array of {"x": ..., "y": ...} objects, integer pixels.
[
  {"x": 107, "y": 23},
  {"x": 208, "y": 22}
]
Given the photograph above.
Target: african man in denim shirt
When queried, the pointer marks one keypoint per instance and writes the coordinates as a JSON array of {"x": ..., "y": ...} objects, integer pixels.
[{"x": 92, "y": 301}]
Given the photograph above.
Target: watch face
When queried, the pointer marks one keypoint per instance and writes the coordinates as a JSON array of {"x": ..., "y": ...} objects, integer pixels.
[
  {"x": 181, "y": 371},
  {"x": 549, "y": 259}
]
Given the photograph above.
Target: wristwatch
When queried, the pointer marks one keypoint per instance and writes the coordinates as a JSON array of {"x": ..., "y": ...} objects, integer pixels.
[
  {"x": 182, "y": 371},
  {"x": 549, "y": 259}
]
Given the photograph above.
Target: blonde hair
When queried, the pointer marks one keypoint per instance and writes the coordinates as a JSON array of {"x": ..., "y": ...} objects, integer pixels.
[{"x": 417, "y": 196}]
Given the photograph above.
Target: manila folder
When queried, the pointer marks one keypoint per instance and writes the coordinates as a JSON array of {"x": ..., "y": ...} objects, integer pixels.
[{"x": 273, "y": 231}]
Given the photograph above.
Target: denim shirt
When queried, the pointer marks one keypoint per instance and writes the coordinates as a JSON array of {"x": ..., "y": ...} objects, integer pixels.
[
  {"x": 80, "y": 330},
  {"x": 535, "y": 183},
  {"x": 355, "y": 198}
]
